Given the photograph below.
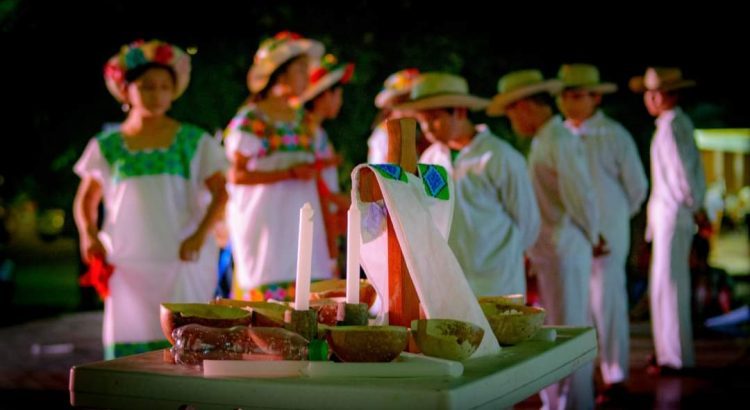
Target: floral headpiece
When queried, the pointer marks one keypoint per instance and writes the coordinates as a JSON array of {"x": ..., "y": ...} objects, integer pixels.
[
  {"x": 397, "y": 84},
  {"x": 274, "y": 52},
  {"x": 329, "y": 73},
  {"x": 141, "y": 52}
]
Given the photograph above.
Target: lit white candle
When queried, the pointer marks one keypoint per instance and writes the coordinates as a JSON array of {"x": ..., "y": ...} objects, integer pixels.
[
  {"x": 352, "y": 254},
  {"x": 304, "y": 258}
]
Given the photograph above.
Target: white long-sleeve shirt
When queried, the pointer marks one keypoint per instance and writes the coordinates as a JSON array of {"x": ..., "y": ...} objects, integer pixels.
[
  {"x": 617, "y": 174},
  {"x": 676, "y": 169},
  {"x": 496, "y": 216},
  {"x": 564, "y": 191},
  {"x": 377, "y": 145}
]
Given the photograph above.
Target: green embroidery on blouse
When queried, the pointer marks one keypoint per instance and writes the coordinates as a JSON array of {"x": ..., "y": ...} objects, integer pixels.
[{"x": 172, "y": 160}]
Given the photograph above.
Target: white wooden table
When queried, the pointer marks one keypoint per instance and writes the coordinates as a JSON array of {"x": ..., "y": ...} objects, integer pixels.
[{"x": 146, "y": 381}]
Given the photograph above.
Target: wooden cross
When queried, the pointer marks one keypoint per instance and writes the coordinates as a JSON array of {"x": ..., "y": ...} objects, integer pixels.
[{"x": 403, "y": 302}]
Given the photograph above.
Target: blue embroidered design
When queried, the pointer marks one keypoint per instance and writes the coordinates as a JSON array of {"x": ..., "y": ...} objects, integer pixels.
[
  {"x": 391, "y": 171},
  {"x": 435, "y": 180}
]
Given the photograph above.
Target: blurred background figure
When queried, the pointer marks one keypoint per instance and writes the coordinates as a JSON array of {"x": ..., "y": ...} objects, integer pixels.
[
  {"x": 496, "y": 216},
  {"x": 162, "y": 184},
  {"x": 569, "y": 232},
  {"x": 396, "y": 89},
  {"x": 322, "y": 100},
  {"x": 677, "y": 194},
  {"x": 270, "y": 143},
  {"x": 712, "y": 292},
  {"x": 621, "y": 187}
]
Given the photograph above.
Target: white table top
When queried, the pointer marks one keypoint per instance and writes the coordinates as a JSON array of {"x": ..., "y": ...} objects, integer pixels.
[{"x": 146, "y": 381}]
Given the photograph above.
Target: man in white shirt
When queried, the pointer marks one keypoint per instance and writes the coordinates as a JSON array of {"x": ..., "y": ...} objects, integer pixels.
[
  {"x": 396, "y": 89},
  {"x": 678, "y": 189},
  {"x": 496, "y": 216},
  {"x": 562, "y": 254},
  {"x": 621, "y": 186}
]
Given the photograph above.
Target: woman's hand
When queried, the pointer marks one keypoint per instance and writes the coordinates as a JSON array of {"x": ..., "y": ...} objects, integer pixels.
[
  {"x": 333, "y": 161},
  {"x": 190, "y": 248},
  {"x": 235, "y": 175},
  {"x": 303, "y": 171},
  {"x": 91, "y": 247},
  {"x": 601, "y": 248}
]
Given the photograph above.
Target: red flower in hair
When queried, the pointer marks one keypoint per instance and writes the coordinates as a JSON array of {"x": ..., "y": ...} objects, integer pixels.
[
  {"x": 164, "y": 54},
  {"x": 287, "y": 35}
]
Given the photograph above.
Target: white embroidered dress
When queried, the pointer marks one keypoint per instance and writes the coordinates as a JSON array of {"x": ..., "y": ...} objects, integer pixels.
[
  {"x": 263, "y": 219},
  {"x": 153, "y": 200}
]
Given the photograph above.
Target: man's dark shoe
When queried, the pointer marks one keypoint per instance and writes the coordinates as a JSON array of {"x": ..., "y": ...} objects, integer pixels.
[
  {"x": 669, "y": 371},
  {"x": 654, "y": 369},
  {"x": 613, "y": 393}
]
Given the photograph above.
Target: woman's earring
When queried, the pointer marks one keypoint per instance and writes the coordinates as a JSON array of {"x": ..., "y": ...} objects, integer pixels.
[{"x": 125, "y": 107}]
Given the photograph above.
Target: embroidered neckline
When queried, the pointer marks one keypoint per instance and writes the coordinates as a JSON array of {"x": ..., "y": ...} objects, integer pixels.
[
  {"x": 125, "y": 146},
  {"x": 275, "y": 136},
  {"x": 172, "y": 160}
]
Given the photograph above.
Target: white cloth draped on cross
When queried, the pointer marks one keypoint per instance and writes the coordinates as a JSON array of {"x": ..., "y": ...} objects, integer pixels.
[{"x": 420, "y": 209}]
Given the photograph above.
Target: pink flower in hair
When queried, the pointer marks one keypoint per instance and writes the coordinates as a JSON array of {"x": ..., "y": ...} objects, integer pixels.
[{"x": 114, "y": 71}]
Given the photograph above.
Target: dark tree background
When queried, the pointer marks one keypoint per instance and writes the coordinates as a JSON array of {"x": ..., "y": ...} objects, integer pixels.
[{"x": 54, "y": 98}]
